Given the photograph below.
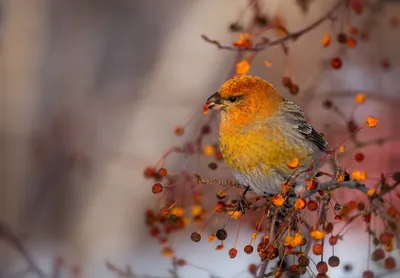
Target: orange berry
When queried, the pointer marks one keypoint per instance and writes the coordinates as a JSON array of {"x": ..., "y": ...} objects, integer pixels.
[
  {"x": 338, "y": 217},
  {"x": 317, "y": 249},
  {"x": 300, "y": 204},
  {"x": 179, "y": 130},
  {"x": 371, "y": 121},
  {"x": 232, "y": 253},
  {"x": 326, "y": 40},
  {"x": 278, "y": 200},
  {"x": 181, "y": 262},
  {"x": 167, "y": 252},
  {"x": 294, "y": 163},
  {"x": 336, "y": 63},
  {"x": 219, "y": 247},
  {"x": 351, "y": 42},
  {"x": 311, "y": 184}
]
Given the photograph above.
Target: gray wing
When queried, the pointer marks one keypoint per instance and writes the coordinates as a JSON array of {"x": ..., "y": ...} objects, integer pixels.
[{"x": 295, "y": 116}]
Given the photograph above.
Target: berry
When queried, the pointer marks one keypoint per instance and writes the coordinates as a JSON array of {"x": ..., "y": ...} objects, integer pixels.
[
  {"x": 252, "y": 268},
  {"x": 322, "y": 267},
  {"x": 286, "y": 81},
  {"x": 334, "y": 261},
  {"x": 221, "y": 234},
  {"x": 328, "y": 104},
  {"x": 179, "y": 131},
  {"x": 378, "y": 254},
  {"x": 181, "y": 262},
  {"x": 232, "y": 253},
  {"x": 149, "y": 172},
  {"x": 318, "y": 249},
  {"x": 162, "y": 172},
  {"x": 359, "y": 157},
  {"x": 312, "y": 205},
  {"x": 248, "y": 249},
  {"x": 235, "y": 27},
  {"x": 389, "y": 263},
  {"x": 157, "y": 188},
  {"x": 196, "y": 237},
  {"x": 386, "y": 238},
  {"x": 205, "y": 129},
  {"x": 368, "y": 274},
  {"x": 342, "y": 38},
  {"x": 213, "y": 166},
  {"x": 333, "y": 240},
  {"x": 336, "y": 63},
  {"x": 303, "y": 261},
  {"x": 294, "y": 89}
]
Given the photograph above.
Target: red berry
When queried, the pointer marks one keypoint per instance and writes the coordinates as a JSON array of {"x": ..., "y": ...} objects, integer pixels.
[
  {"x": 359, "y": 157},
  {"x": 149, "y": 172},
  {"x": 252, "y": 268},
  {"x": 312, "y": 205},
  {"x": 155, "y": 232},
  {"x": 389, "y": 263},
  {"x": 378, "y": 254},
  {"x": 336, "y": 63},
  {"x": 248, "y": 249},
  {"x": 368, "y": 274},
  {"x": 157, "y": 188},
  {"x": 162, "y": 172},
  {"x": 386, "y": 238},
  {"x": 333, "y": 240},
  {"x": 286, "y": 81},
  {"x": 294, "y": 89},
  {"x": 322, "y": 267},
  {"x": 179, "y": 130},
  {"x": 181, "y": 262},
  {"x": 232, "y": 253}
]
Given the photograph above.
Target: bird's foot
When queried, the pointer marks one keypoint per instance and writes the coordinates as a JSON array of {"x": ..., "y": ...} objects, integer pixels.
[
  {"x": 243, "y": 205},
  {"x": 242, "y": 202}
]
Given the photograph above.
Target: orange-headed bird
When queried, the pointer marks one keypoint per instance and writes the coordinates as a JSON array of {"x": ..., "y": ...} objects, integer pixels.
[{"x": 262, "y": 132}]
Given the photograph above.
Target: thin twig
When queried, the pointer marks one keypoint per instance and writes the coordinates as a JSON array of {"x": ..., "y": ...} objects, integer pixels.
[{"x": 290, "y": 36}]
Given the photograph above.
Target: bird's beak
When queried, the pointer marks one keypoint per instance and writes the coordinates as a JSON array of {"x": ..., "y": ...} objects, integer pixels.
[{"x": 214, "y": 102}]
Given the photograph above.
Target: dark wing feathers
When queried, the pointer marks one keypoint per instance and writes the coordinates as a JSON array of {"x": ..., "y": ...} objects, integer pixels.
[{"x": 295, "y": 115}]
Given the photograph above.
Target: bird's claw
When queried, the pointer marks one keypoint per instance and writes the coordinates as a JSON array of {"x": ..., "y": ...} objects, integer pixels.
[{"x": 243, "y": 205}]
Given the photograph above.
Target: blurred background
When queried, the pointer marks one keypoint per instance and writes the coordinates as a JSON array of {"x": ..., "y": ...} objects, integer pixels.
[{"x": 91, "y": 91}]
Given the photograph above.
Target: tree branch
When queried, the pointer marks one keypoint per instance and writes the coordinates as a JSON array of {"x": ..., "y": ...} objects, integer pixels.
[{"x": 290, "y": 36}]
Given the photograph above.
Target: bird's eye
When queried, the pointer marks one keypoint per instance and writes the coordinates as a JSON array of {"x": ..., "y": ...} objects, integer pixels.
[{"x": 232, "y": 99}]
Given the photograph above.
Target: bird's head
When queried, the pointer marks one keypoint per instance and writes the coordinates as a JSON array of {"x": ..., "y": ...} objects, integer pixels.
[{"x": 244, "y": 99}]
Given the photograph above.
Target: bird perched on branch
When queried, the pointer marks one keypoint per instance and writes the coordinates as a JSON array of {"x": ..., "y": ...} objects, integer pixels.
[{"x": 264, "y": 137}]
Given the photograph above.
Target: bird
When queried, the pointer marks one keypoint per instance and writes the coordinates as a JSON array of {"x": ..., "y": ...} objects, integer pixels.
[{"x": 262, "y": 133}]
